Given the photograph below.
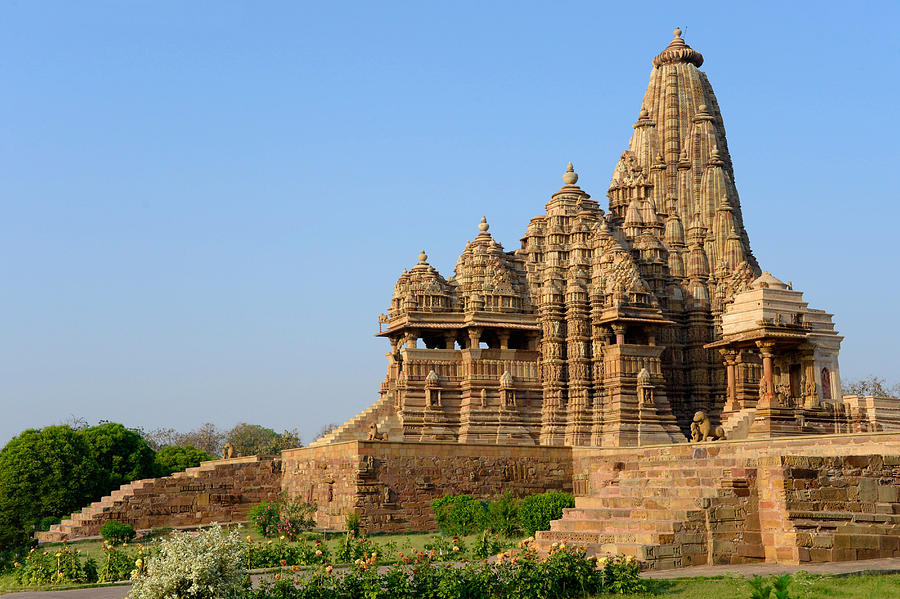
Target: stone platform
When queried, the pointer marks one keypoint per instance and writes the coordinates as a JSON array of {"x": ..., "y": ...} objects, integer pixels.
[
  {"x": 790, "y": 500},
  {"x": 216, "y": 491}
]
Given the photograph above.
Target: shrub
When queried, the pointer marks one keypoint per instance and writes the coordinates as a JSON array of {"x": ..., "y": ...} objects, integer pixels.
[
  {"x": 503, "y": 515},
  {"x": 283, "y": 517},
  {"x": 352, "y": 522},
  {"x": 459, "y": 515},
  {"x": 177, "y": 458},
  {"x": 446, "y": 549},
  {"x": 119, "y": 563},
  {"x": 486, "y": 546},
  {"x": 63, "y": 565},
  {"x": 272, "y": 554},
  {"x": 622, "y": 575},
  {"x": 265, "y": 516},
  {"x": 116, "y": 532},
  {"x": 47, "y": 522},
  {"x": 203, "y": 565},
  {"x": 536, "y": 511},
  {"x": 353, "y": 548},
  {"x": 566, "y": 573}
]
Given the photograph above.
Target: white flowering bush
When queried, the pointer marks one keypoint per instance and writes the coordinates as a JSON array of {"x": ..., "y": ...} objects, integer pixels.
[{"x": 204, "y": 565}]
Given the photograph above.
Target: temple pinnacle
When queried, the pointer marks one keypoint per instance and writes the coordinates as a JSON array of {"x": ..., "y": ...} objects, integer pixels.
[
  {"x": 483, "y": 226},
  {"x": 570, "y": 177},
  {"x": 677, "y": 32},
  {"x": 422, "y": 257}
]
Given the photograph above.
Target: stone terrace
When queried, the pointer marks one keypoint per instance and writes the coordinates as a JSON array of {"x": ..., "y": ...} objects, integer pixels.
[{"x": 792, "y": 500}]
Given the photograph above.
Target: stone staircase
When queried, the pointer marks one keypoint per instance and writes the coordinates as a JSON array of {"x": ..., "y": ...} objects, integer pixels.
[
  {"x": 215, "y": 491},
  {"x": 660, "y": 513},
  {"x": 737, "y": 424},
  {"x": 382, "y": 413}
]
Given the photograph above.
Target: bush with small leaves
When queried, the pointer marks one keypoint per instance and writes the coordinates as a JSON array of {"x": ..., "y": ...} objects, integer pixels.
[
  {"x": 208, "y": 564},
  {"x": 352, "y": 522},
  {"x": 460, "y": 514},
  {"x": 116, "y": 532},
  {"x": 536, "y": 511},
  {"x": 58, "y": 565}
]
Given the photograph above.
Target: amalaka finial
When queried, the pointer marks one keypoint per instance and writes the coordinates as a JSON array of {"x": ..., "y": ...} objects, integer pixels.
[
  {"x": 570, "y": 177},
  {"x": 422, "y": 257},
  {"x": 677, "y": 32},
  {"x": 483, "y": 226}
]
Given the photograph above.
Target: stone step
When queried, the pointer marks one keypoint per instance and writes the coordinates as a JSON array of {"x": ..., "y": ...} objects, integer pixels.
[
  {"x": 632, "y": 502},
  {"x": 581, "y": 513},
  {"x": 651, "y": 529}
]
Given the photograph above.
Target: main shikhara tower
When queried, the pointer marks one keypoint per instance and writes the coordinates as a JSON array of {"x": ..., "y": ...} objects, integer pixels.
[{"x": 613, "y": 327}]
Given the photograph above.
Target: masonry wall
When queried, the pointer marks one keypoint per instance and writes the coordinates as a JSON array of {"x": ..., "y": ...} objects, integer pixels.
[
  {"x": 786, "y": 500},
  {"x": 391, "y": 484},
  {"x": 217, "y": 491},
  {"x": 327, "y": 476}
]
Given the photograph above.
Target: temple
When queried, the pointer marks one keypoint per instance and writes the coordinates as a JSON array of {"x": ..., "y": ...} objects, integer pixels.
[
  {"x": 614, "y": 328},
  {"x": 585, "y": 361}
]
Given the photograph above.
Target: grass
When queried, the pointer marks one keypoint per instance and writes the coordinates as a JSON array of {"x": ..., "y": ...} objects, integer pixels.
[{"x": 803, "y": 586}]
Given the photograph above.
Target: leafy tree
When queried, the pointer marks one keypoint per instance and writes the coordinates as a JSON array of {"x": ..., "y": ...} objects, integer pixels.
[
  {"x": 43, "y": 472},
  {"x": 253, "y": 439},
  {"x": 175, "y": 458},
  {"x": 871, "y": 385},
  {"x": 208, "y": 437},
  {"x": 121, "y": 454}
]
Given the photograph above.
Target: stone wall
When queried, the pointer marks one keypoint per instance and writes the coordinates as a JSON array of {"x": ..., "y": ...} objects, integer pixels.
[
  {"x": 217, "y": 491},
  {"x": 831, "y": 508},
  {"x": 785, "y": 500},
  {"x": 391, "y": 484},
  {"x": 327, "y": 476}
]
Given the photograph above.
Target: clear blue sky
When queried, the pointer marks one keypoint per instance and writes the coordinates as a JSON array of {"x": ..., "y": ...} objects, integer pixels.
[{"x": 205, "y": 205}]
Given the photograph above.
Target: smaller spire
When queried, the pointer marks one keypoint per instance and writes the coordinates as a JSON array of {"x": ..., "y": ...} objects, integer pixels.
[
  {"x": 570, "y": 177},
  {"x": 483, "y": 226},
  {"x": 423, "y": 257}
]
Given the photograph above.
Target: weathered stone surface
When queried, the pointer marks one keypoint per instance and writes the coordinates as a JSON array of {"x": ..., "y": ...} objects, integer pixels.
[{"x": 218, "y": 491}]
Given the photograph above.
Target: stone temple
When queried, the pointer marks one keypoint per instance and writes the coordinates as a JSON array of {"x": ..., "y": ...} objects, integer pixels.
[
  {"x": 636, "y": 355},
  {"x": 614, "y": 327}
]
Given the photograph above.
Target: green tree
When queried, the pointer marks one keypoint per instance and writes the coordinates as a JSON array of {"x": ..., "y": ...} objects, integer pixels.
[
  {"x": 174, "y": 458},
  {"x": 121, "y": 454},
  {"x": 43, "y": 472},
  {"x": 871, "y": 385},
  {"x": 253, "y": 439}
]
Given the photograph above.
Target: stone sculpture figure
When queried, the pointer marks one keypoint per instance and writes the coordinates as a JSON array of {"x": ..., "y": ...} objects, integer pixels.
[
  {"x": 228, "y": 451},
  {"x": 702, "y": 429},
  {"x": 374, "y": 435}
]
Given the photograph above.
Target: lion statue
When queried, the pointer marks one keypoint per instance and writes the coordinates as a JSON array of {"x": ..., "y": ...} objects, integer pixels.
[
  {"x": 374, "y": 435},
  {"x": 702, "y": 429},
  {"x": 228, "y": 451}
]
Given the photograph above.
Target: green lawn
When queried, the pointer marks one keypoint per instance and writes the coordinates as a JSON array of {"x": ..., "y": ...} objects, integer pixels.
[{"x": 804, "y": 586}]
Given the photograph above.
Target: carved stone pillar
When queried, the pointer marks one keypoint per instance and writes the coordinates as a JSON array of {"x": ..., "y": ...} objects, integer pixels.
[
  {"x": 474, "y": 337},
  {"x": 412, "y": 339},
  {"x": 449, "y": 339},
  {"x": 810, "y": 392},
  {"x": 503, "y": 336},
  {"x": 619, "y": 330},
  {"x": 767, "y": 388},
  {"x": 731, "y": 402}
]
